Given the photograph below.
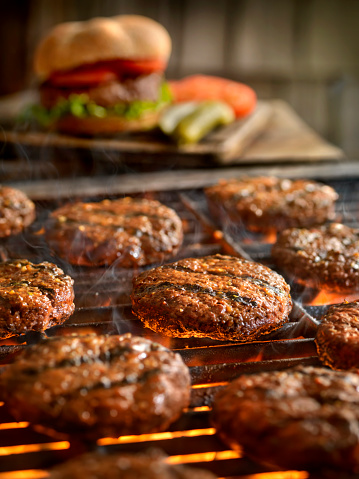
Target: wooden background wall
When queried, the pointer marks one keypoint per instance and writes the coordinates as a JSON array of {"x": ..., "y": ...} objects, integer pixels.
[{"x": 304, "y": 51}]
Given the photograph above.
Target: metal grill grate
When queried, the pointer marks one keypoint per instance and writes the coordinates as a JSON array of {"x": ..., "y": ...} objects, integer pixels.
[{"x": 103, "y": 306}]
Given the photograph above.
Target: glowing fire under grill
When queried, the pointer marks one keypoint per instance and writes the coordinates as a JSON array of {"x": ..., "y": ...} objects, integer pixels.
[{"x": 102, "y": 306}]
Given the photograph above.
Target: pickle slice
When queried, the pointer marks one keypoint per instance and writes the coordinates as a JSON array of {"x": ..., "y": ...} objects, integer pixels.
[
  {"x": 207, "y": 116},
  {"x": 171, "y": 117}
]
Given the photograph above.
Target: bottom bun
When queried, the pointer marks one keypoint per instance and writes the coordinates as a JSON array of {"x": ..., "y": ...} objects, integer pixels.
[{"x": 110, "y": 125}]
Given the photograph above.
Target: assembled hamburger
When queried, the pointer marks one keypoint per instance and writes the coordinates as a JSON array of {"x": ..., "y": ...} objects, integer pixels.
[{"x": 103, "y": 76}]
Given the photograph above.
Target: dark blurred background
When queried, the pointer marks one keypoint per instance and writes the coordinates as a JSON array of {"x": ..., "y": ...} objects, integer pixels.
[{"x": 303, "y": 51}]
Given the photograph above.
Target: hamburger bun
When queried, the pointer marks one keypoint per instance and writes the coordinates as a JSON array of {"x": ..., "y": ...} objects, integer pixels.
[
  {"x": 72, "y": 44},
  {"x": 92, "y": 126},
  {"x": 103, "y": 76}
]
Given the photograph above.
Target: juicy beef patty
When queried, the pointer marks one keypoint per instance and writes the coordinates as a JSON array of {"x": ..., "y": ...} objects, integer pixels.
[
  {"x": 141, "y": 88},
  {"x": 97, "y": 386},
  {"x": 17, "y": 211},
  {"x": 266, "y": 204},
  {"x": 337, "y": 338},
  {"x": 305, "y": 417},
  {"x": 131, "y": 232},
  {"x": 33, "y": 297},
  {"x": 219, "y": 297},
  {"x": 150, "y": 465},
  {"x": 325, "y": 257}
]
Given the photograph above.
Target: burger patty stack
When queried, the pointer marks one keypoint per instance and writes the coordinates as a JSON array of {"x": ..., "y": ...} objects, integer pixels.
[{"x": 104, "y": 75}]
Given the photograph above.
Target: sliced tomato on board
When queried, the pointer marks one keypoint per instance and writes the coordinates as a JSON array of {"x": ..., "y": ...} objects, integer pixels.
[
  {"x": 239, "y": 96},
  {"x": 102, "y": 72}
]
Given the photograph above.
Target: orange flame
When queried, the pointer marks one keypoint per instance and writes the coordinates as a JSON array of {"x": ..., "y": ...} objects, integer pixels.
[
  {"x": 197, "y": 409},
  {"x": 204, "y": 457},
  {"x": 268, "y": 237},
  {"x": 106, "y": 441},
  {"x": 258, "y": 357},
  {"x": 13, "y": 425},
  {"x": 11, "y": 341},
  {"x": 278, "y": 475},
  {"x": 327, "y": 297},
  {"x": 26, "y": 474},
  {"x": 24, "y": 448},
  {"x": 209, "y": 385}
]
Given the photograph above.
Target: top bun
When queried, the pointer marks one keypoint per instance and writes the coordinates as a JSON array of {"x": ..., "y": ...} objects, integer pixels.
[{"x": 71, "y": 44}]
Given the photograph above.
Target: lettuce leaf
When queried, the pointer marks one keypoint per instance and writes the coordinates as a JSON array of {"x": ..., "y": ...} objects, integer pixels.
[{"x": 79, "y": 105}]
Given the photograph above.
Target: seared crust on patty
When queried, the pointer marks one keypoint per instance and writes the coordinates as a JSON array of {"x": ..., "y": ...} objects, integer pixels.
[
  {"x": 33, "y": 297},
  {"x": 150, "y": 465},
  {"x": 96, "y": 386},
  {"x": 326, "y": 257},
  {"x": 337, "y": 338},
  {"x": 305, "y": 417},
  {"x": 219, "y": 297},
  {"x": 128, "y": 231},
  {"x": 17, "y": 211},
  {"x": 265, "y": 204}
]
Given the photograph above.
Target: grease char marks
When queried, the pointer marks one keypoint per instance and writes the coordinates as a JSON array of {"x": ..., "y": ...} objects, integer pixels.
[
  {"x": 219, "y": 297},
  {"x": 266, "y": 204},
  {"x": 324, "y": 257},
  {"x": 337, "y": 338},
  {"x": 129, "y": 232},
  {"x": 33, "y": 297},
  {"x": 96, "y": 386},
  {"x": 302, "y": 418}
]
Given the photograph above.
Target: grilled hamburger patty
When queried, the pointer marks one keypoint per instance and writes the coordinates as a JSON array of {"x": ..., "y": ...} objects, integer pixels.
[
  {"x": 305, "y": 417},
  {"x": 109, "y": 94},
  {"x": 150, "y": 465},
  {"x": 128, "y": 231},
  {"x": 337, "y": 337},
  {"x": 17, "y": 211},
  {"x": 33, "y": 297},
  {"x": 219, "y": 297},
  {"x": 325, "y": 257},
  {"x": 265, "y": 204},
  {"x": 97, "y": 386}
]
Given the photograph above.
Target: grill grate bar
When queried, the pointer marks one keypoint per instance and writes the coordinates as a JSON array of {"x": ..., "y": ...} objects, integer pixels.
[{"x": 229, "y": 371}]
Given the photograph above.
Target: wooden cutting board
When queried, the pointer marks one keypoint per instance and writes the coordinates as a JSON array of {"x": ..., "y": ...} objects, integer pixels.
[{"x": 273, "y": 133}]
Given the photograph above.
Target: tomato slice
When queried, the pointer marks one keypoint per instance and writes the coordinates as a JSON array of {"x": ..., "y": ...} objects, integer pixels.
[
  {"x": 79, "y": 78},
  {"x": 105, "y": 71},
  {"x": 239, "y": 96},
  {"x": 142, "y": 66}
]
